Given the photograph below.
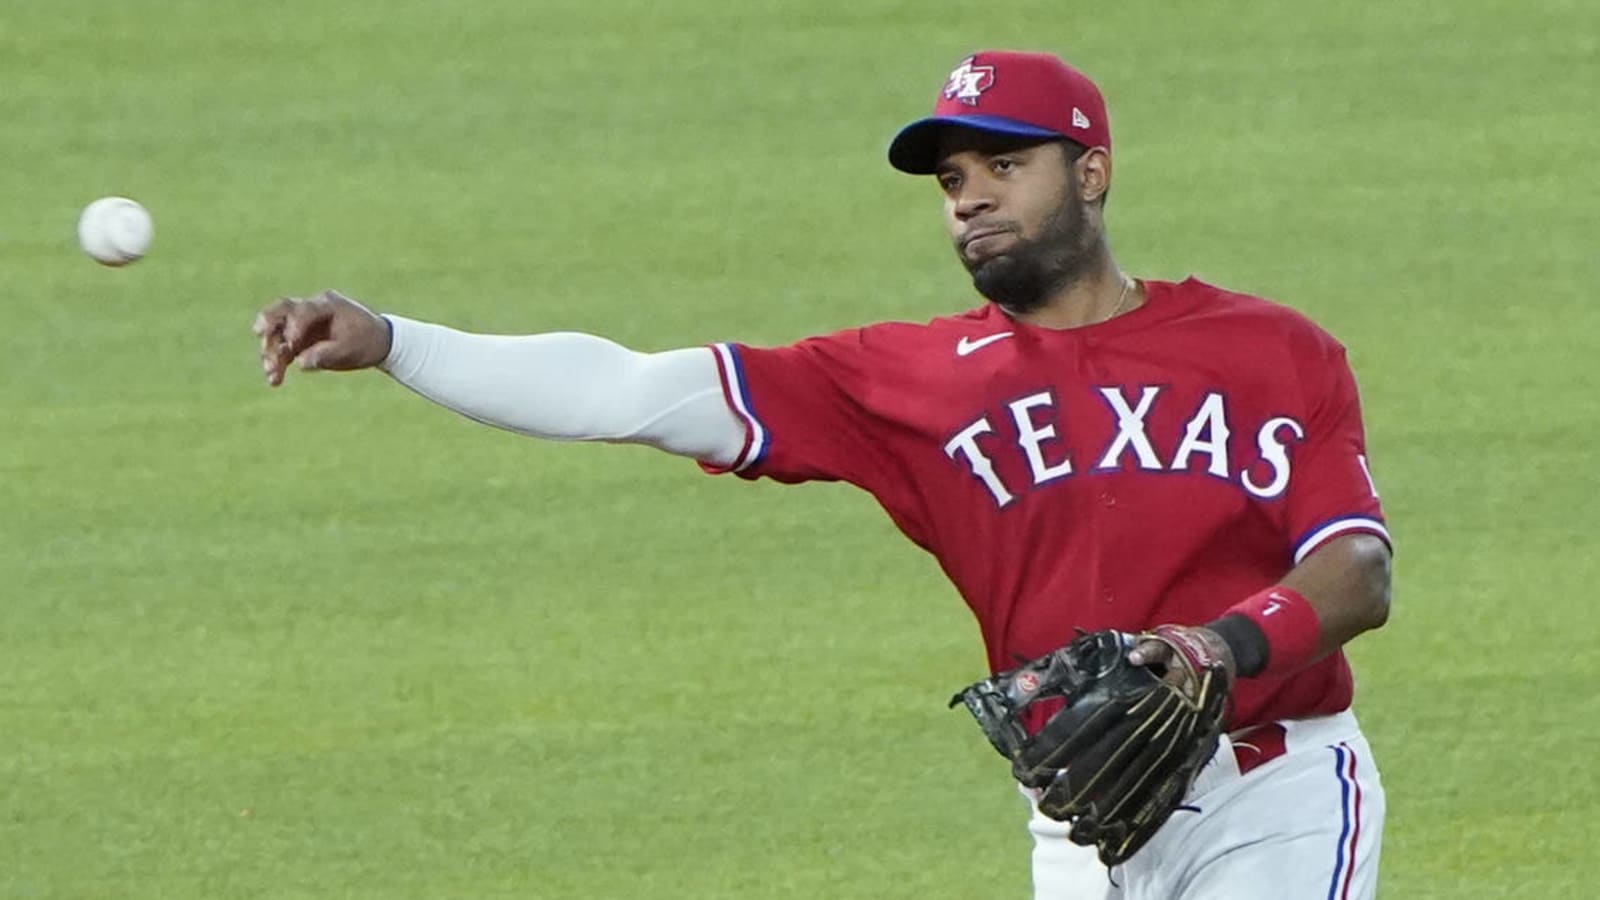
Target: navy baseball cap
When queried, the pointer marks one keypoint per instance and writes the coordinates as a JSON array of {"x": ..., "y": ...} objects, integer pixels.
[{"x": 1030, "y": 95}]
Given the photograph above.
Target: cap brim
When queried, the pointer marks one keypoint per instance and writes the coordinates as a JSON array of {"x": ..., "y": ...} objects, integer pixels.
[{"x": 916, "y": 148}]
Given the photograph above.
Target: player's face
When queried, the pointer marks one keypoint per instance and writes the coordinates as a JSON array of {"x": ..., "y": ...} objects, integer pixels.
[{"x": 1015, "y": 216}]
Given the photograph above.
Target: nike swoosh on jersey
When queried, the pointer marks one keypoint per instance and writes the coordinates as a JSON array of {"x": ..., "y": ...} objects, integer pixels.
[{"x": 966, "y": 346}]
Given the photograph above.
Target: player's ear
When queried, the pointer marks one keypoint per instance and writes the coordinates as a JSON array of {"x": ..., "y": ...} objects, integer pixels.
[{"x": 1094, "y": 174}]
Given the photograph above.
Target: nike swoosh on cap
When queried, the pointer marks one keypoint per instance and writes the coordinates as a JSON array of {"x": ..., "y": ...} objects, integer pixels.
[{"x": 966, "y": 345}]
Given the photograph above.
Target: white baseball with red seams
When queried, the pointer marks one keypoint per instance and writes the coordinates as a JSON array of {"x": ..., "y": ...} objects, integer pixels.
[{"x": 115, "y": 231}]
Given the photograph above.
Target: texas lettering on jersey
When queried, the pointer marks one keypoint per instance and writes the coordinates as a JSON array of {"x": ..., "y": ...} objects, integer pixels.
[
  {"x": 1204, "y": 446},
  {"x": 1154, "y": 468}
]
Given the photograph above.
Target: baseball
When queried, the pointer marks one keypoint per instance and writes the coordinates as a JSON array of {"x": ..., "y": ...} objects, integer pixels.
[{"x": 115, "y": 231}]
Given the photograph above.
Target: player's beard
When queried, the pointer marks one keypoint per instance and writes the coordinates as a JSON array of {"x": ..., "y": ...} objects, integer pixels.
[{"x": 1026, "y": 276}]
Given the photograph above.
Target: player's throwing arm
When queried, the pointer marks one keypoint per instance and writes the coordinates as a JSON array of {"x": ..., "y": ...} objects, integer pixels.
[{"x": 560, "y": 386}]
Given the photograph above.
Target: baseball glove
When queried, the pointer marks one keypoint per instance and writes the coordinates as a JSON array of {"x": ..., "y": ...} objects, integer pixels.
[{"x": 1118, "y": 757}]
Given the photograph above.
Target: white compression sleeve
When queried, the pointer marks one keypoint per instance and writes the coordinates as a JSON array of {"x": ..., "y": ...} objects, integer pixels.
[{"x": 571, "y": 387}]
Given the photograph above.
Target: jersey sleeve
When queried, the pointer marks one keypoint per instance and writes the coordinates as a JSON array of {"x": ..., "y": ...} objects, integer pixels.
[
  {"x": 802, "y": 409},
  {"x": 1332, "y": 492}
]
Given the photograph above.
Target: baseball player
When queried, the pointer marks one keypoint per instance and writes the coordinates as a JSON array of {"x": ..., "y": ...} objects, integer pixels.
[{"x": 1085, "y": 451}]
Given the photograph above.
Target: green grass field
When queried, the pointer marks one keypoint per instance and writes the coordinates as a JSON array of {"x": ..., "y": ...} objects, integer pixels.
[{"x": 334, "y": 642}]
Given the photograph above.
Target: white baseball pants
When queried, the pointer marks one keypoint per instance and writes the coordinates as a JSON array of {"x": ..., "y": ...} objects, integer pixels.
[{"x": 1304, "y": 824}]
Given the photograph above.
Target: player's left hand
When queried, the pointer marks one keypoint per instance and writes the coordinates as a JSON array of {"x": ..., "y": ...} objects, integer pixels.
[
  {"x": 1118, "y": 756},
  {"x": 1162, "y": 654}
]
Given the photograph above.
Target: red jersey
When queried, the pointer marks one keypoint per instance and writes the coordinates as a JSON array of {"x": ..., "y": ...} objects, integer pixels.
[{"x": 1158, "y": 467}]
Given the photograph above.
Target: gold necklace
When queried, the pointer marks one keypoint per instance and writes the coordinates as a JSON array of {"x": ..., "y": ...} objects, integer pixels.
[{"x": 1122, "y": 298}]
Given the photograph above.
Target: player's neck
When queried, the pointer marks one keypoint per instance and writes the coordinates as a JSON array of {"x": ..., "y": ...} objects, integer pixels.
[{"x": 1101, "y": 294}]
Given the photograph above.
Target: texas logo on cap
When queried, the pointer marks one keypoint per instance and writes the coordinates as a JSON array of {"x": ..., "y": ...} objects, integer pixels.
[
  {"x": 968, "y": 82},
  {"x": 1029, "y": 95}
]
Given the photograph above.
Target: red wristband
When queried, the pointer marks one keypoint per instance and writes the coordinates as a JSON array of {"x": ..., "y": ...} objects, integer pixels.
[{"x": 1290, "y": 624}]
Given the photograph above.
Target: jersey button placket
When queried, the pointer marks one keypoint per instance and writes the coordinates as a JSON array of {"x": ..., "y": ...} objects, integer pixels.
[{"x": 1108, "y": 500}]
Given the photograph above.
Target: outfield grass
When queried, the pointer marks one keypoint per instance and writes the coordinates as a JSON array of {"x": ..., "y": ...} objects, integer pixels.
[{"x": 333, "y": 642}]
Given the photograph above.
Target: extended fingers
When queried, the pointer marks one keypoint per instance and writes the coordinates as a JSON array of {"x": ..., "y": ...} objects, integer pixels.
[
  {"x": 269, "y": 328},
  {"x": 287, "y": 328},
  {"x": 326, "y": 331}
]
